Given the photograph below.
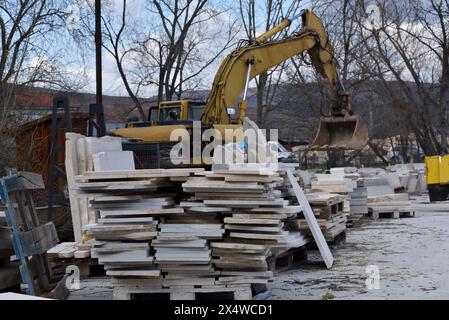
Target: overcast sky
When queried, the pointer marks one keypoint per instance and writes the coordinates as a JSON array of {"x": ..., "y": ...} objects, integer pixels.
[{"x": 112, "y": 84}]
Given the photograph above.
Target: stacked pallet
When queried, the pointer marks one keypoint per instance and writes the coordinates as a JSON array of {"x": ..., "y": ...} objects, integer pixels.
[
  {"x": 390, "y": 206},
  {"x": 249, "y": 199},
  {"x": 9, "y": 271},
  {"x": 328, "y": 208}
]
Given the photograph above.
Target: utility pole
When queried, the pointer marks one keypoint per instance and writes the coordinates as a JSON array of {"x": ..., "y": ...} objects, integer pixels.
[
  {"x": 98, "y": 52},
  {"x": 96, "y": 111}
]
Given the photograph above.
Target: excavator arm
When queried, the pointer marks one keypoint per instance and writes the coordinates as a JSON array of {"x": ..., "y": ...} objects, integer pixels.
[
  {"x": 246, "y": 63},
  {"x": 263, "y": 55}
]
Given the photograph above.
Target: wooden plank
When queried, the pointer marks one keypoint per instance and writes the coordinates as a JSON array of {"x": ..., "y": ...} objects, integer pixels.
[
  {"x": 39, "y": 240},
  {"x": 311, "y": 220},
  {"x": 23, "y": 181}
]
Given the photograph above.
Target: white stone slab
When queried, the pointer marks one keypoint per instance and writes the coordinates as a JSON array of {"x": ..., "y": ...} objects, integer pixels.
[
  {"x": 114, "y": 161},
  {"x": 311, "y": 221}
]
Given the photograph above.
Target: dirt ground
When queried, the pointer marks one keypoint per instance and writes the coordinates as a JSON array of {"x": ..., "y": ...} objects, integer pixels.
[{"x": 411, "y": 254}]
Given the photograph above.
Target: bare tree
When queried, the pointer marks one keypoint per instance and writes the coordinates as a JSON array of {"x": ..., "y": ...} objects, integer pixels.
[
  {"x": 434, "y": 17},
  {"x": 166, "y": 45},
  {"x": 271, "y": 13},
  {"x": 185, "y": 43},
  {"x": 408, "y": 49},
  {"x": 117, "y": 44},
  {"x": 26, "y": 30}
]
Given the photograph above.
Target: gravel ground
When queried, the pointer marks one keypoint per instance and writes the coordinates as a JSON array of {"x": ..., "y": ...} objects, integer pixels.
[{"x": 411, "y": 254}]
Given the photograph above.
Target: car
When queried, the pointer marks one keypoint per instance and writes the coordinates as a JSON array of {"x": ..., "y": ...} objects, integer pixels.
[{"x": 284, "y": 155}]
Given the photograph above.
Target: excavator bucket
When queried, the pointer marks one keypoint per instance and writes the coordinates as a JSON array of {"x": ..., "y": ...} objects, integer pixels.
[{"x": 341, "y": 133}]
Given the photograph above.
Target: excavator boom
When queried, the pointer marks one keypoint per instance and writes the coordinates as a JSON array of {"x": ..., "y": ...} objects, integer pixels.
[{"x": 252, "y": 60}]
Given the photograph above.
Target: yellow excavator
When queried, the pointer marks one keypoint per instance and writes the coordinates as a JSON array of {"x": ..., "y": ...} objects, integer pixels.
[{"x": 223, "y": 110}]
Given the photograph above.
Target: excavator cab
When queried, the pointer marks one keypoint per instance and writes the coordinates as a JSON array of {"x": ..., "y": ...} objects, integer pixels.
[
  {"x": 175, "y": 112},
  {"x": 341, "y": 133}
]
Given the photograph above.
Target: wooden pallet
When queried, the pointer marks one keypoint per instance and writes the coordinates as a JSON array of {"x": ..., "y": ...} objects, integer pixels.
[
  {"x": 335, "y": 241},
  {"x": 339, "y": 240},
  {"x": 354, "y": 221},
  {"x": 326, "y": 211},
  {"x": 287, "y": 260},
  {"x": 224, "y": 292},
  {"x": 9, "y": 276},
  {"x": 390, "y": 213},
  {"x": 408, "y": 214},
  {"x": 31, "y": 240}
]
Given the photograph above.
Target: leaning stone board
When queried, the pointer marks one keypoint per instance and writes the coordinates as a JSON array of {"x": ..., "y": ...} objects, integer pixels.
[{"x": 312, "y": 222}]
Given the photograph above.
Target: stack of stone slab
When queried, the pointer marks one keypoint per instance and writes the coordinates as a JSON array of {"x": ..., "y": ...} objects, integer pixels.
[
  {"x": 377, "y": 186},
  {"x": 358, "y": 200},
  {"x": 182, "y": 248},
  {"x": 358, "y": 205},
  {"x": 250, "y": 200},
  {"x": 336, "y": 182},
  {"x": 135, "y": 208},
  {"x": 411, "y": 178}
]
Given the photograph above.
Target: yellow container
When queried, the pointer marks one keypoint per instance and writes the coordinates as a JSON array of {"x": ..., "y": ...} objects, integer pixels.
[
  {"x": 444, "y": 169},
  {"x": 433, "y": 170}
]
